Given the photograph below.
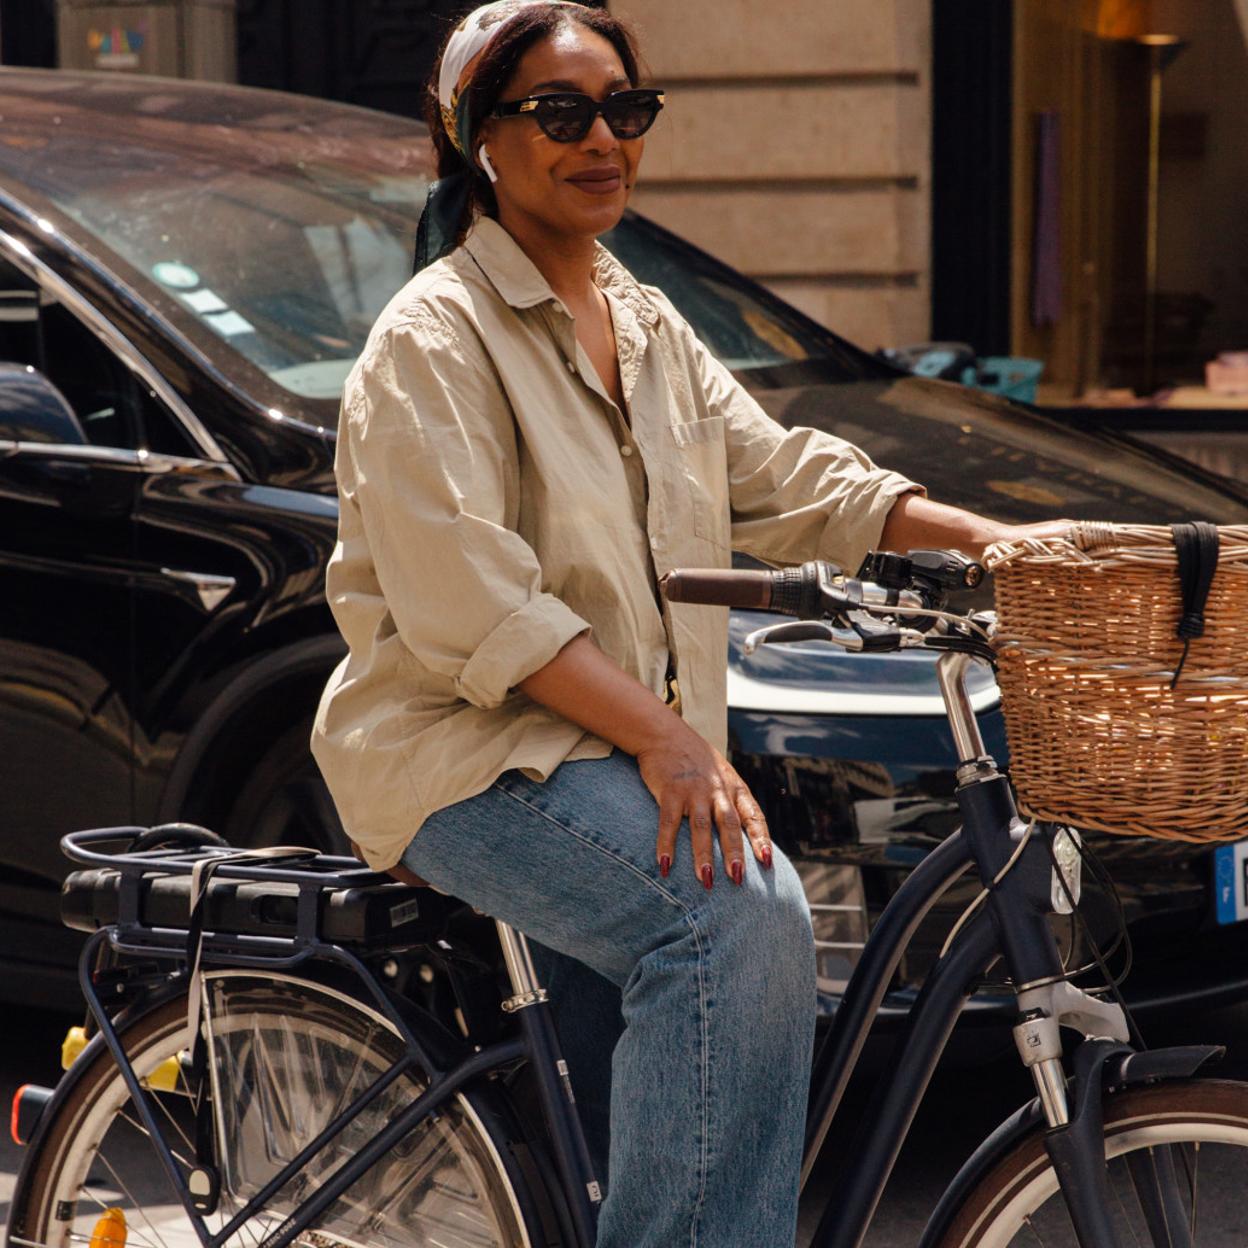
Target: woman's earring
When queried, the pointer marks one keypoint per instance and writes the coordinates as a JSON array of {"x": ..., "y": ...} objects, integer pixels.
[{"x": 484, "y": 158}]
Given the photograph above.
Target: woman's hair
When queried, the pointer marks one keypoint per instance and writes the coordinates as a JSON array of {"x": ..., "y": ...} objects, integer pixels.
[{"x": 492, "y": 74}]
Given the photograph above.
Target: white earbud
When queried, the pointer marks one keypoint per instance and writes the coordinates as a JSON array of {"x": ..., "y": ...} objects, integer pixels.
[{"x": 484, "y": 158}]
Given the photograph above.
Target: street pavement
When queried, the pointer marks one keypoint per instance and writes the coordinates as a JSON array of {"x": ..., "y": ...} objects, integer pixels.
[{"x": 968, "y": 1097}]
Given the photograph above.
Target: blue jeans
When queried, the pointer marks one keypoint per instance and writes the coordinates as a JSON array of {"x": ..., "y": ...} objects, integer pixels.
[{"x": 686, "y": 1016}]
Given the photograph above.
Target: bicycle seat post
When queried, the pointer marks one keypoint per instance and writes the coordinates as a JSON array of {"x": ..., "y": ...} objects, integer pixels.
[{"x": 520, "y": 970}]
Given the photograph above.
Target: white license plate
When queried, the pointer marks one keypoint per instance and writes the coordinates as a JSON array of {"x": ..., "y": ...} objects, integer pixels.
[{"x": 1230, "y": 882}]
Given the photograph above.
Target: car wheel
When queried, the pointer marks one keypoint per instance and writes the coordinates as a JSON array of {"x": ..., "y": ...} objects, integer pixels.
[{"x": 284, "y": 801}]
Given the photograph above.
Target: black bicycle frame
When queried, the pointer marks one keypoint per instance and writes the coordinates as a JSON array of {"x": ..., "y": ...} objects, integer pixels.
[
  {"x": 1016, "y": 869},
  {"x": 1014, "y": 866}
]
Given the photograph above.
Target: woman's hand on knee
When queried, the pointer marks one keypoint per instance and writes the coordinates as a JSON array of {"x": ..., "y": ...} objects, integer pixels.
[{"x": 691, "y": 779}]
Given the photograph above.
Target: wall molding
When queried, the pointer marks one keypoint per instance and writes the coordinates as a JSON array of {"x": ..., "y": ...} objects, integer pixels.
[
  {"x": 766, "y": 82},
  {"x": 786, "y": 185}
]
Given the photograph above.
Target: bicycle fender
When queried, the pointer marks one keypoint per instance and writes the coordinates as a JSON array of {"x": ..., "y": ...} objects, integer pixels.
[
  {"x": 1130, "y": 1068},
  {"x": 1176, "y": 1063}
]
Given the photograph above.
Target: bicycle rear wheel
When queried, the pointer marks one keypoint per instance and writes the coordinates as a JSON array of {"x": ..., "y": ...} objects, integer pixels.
[
  {"x": 1205, "y": 1123},
  {"x": 288, "y": 1054}
]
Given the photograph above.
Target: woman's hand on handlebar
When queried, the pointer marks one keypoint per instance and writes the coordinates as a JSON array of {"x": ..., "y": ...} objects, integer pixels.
[
  {"x": 916, "y": 522},
  {"x": 691, "y": 779}
]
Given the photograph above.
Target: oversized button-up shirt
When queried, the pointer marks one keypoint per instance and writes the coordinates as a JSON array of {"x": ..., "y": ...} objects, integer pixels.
[{"x": 496, "y": 503}]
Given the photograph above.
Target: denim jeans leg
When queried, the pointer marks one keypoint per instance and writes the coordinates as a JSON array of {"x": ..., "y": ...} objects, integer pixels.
[{"x": 710, "y": 1076}]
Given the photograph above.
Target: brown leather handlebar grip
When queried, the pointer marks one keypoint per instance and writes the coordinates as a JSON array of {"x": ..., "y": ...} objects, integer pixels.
[{"x": 718, "y": 587}]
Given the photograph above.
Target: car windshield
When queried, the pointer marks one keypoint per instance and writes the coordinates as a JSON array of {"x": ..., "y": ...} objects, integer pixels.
[
  {"x": 288, "y": 267},
  {"x": 281, "y": 243}
]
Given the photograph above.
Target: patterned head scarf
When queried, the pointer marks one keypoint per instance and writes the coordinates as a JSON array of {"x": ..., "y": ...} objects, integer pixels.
[{"x": 447, "y": 197}]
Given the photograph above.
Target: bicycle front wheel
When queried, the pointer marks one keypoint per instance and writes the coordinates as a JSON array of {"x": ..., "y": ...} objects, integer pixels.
[
  {"x": 288, "y": 1056},
  {"x": 1199, "y": 1126}
]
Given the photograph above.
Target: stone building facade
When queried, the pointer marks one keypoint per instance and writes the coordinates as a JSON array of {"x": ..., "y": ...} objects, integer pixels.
[{"x": 796, "y": 146}]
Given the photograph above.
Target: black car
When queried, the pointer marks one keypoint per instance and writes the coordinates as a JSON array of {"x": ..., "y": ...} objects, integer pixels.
[{"x": 188, "y": 272}]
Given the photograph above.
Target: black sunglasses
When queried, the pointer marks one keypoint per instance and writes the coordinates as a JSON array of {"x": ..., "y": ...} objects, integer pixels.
[{"x": 566, "y": 116}]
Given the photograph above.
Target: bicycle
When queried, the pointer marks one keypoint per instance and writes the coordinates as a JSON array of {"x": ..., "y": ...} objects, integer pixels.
[{"x": 274, "y": 1028}]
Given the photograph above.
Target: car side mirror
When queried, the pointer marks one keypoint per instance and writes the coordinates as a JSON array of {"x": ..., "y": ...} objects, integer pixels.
[{"x": 32, "y": 409}]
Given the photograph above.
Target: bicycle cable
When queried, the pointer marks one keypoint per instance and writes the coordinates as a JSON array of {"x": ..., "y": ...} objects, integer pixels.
[
  {"x": 1112, "y": 984},
  {"x": 983, "y": 892},
  {"x": 950, "y": 617},
  {"x": 1122, "y": 936}
]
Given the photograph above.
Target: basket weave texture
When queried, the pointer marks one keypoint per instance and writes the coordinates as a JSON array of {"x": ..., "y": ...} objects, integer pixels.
[{"x": 1087, "y": 652}]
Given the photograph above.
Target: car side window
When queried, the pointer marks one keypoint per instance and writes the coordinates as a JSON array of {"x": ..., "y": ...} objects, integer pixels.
[
  {"x": 100, "y": 389},
  {"x": 112, "y": 407},
  {"x": 19, "y": 316}
]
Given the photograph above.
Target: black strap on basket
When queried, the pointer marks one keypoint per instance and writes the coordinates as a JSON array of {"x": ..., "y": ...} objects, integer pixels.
[{"x": 1196, "y": 545}]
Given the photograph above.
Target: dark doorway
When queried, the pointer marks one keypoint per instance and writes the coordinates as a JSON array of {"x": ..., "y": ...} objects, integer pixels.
[
  {"x": 972, "y": 69},
  {"x": 375, "y": 53},
  {"x": 28, "y": 33}
]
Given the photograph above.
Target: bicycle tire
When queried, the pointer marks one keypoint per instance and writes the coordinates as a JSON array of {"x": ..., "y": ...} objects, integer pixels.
[
  {"x": 286, "y": 1053},
  {"x": 1018, "y": 1202}
]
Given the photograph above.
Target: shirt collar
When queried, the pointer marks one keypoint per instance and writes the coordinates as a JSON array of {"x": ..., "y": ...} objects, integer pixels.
[{"x": 518, "y": 281}]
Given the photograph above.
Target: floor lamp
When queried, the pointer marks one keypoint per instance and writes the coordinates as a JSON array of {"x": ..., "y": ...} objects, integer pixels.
[{"x": 1163, "y": 50}]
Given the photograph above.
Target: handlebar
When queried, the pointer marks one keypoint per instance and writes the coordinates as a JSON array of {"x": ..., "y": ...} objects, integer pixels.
[
  {"x": 902, "y": 605},
  {"x": 923, "y": 578},
  {"x": 790, "y": 591}
]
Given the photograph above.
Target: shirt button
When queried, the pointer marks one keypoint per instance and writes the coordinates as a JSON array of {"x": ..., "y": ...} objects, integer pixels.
[
  {"x": 626, "y": 451},
  {"x": 654, "y": 543},
  {"x": 571, "y": 366}
]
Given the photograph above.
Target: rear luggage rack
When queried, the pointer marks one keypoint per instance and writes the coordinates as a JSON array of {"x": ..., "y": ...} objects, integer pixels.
[{"x": 282, "y": 902}]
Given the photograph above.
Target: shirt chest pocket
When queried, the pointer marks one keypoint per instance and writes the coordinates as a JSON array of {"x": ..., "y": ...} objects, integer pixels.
[{"x": 702, "y": 465}]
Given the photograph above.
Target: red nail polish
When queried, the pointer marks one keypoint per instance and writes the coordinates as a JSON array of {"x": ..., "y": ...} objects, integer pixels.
[
  {"x": 707, "y": 874},
  {"x": 767, "y": 856},
  {"x": 665, "y": 865},
  {"x": 738, "y": 871}
]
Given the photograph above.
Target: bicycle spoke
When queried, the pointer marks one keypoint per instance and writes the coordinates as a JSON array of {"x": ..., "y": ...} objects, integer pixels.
[
  {"x": 348, "y": 1084},
  {"x": 1126, "y": 1217},
  {"x": 130, "y": 1197},
  {"x": 246, "y": 1228},
  {"x": 1192, "y": 1176},
  {"x": 190, "y": 1165},
  {"x": 264, "y": 1063},
  {"x": 142, "y": 1130}
]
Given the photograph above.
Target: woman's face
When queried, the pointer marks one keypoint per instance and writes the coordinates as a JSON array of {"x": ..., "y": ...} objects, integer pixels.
[{"x": 575, "y": 189}]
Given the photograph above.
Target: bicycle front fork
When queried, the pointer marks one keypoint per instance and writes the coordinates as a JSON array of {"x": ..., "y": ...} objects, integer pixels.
[{"x": 1026, "y": 882}]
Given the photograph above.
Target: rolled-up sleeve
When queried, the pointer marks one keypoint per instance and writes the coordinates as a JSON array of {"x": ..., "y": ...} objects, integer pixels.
[
  {"x": 796, "y": 494},
  {"x": 433, "y": 470}
]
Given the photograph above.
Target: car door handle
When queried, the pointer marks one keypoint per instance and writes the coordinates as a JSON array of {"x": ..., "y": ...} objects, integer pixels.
[
  {"x": 64, "y": 473},
  {"x": 211, "y": 590}
]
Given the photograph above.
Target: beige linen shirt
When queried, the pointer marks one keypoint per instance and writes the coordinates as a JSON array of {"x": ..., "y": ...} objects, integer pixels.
[{"x": 495, "y": 503}]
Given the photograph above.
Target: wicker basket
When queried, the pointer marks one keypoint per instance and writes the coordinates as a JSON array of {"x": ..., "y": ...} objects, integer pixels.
[{"x": 1087, "y": 655}]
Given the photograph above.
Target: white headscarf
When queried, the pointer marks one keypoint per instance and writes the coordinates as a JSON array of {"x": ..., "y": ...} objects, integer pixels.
[{"x": 472, "y": 36}]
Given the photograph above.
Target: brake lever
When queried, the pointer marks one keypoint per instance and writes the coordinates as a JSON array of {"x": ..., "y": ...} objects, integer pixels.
[
  {"x": 874, "y": 635},
  {"x": 798, "y": 630}
]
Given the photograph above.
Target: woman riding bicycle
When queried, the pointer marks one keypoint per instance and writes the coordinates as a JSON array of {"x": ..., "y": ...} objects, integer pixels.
[{"x": 529, "y": 439}]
